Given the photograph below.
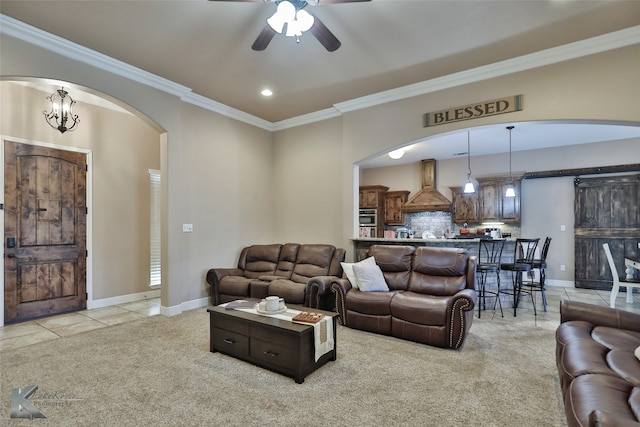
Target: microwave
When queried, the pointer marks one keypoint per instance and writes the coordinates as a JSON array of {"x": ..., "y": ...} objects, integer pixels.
[{"x": 368, "y": 217}]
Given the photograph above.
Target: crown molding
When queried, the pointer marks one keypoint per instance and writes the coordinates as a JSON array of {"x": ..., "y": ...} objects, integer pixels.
[
  {"x": 305, "y": 119},
  {"x": 615, "y": 40},
  {"x": 20, "y": 30},
  {"x": 225, "y": 110}
]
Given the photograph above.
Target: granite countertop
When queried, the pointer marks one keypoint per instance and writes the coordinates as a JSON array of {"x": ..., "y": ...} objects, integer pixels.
[{"x": 396, "y": 239}]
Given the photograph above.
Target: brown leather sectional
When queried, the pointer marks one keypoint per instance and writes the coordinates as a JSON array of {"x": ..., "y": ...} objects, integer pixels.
[
  {"x": 430, "y": 300},
  {"x": 599, "y": 372},
  {"x": 299, "y": 273}
]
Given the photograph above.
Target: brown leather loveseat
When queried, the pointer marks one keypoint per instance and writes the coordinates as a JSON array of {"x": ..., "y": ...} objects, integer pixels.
[
  {"x": 599, "y": 372},
  {"x": 429, "y": 298},
  {"x": 293, "y": 271}
]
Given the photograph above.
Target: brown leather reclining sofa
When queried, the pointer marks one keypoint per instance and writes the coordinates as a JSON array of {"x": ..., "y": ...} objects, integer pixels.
[
  {"x": 430, "y": 299},
  {"x": 599, "y": 372},
  {"x": 299, "y": 273}
]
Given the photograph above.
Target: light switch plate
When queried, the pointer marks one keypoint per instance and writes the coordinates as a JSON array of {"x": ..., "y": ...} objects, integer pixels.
[{"x": 187, "y": 228}]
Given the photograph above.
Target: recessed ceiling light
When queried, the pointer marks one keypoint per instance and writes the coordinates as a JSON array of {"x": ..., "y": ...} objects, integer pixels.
[{"x": 266, "y": 92}]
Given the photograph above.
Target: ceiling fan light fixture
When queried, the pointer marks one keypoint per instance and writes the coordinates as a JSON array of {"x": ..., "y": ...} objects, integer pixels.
[
  {"x": 285, "y": 13},
  {"x": 305, "y": 20}
]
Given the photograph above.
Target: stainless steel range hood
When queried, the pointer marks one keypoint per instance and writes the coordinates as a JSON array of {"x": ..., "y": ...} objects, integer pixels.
[{"x": 428, "y": 199}]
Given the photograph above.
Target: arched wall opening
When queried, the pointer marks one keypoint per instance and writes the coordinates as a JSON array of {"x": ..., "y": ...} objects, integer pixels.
[{"x": 122, "y": 145}]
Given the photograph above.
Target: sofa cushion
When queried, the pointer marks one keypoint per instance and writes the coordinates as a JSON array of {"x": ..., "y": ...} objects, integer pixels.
[
  {"x": 312, "y": 261},
  {"x": 616, "y": 339},
  {"x": 604, "y": 393},
  {"x": 395, "y": 263},
  {"x": 374, "y": 303},
  {"x": 292, "y": 292},
  {"x": 347, "y": 267},
  {"x": 260, "y": 260},
  {"x": 370, "y": 278},
  {"x": 420, "y": 309},
  {"x": 438, "y": 271},
  {"x": 287, "y": 260}
]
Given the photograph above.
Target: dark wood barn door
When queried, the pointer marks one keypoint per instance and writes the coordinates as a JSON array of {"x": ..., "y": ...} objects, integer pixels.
[
  {"x": 607, "y": 210},
  {"x": 45, "y": 231}
]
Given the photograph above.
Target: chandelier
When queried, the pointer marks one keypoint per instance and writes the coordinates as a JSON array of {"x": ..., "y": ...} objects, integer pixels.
[{"x": 61, "y": 111}]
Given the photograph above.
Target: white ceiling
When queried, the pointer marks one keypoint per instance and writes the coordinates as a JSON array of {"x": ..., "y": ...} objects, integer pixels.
[{"x": 386, "y": 44}]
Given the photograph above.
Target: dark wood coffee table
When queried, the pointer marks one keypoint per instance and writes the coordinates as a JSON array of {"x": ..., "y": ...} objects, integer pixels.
[{"x": 278, "y": 345}]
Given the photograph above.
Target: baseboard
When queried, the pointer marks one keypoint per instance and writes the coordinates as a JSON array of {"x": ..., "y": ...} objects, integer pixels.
[
  {"x": 122, "y": 299},
  {"x": 185, "y": 306},
  {"x": 560, "y": 283}
]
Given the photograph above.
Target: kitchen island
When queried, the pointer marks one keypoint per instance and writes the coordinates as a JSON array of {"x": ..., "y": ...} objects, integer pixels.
[{"x": 361, "y": 245}]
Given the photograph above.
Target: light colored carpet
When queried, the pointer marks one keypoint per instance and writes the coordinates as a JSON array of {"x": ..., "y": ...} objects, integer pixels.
[{"x": 159, "y": 371}]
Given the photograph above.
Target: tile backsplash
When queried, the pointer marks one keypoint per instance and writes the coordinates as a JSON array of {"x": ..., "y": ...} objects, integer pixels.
[{"x": 439, "y": 222}]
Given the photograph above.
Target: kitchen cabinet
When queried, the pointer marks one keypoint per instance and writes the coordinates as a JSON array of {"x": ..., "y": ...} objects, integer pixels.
[
  {"x": 464, "y": 207},
  {"x": 493, "y": 206},
  {"x": 371, "y": 196},
  {"x": 393, "y": 201}
]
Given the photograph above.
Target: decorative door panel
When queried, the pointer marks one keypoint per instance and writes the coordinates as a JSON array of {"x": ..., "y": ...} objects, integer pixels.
[
  {"x": 45, "y": 231},
  {"x": 606, "y": 211}
]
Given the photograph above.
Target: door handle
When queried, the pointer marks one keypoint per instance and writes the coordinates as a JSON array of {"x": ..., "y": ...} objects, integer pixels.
[
  {"x": 10, "y": 255},
  {"x": 42, "y": 209}
]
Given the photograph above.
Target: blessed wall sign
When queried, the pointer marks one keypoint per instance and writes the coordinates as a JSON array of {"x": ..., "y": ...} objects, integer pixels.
[{"x": 474, "y": 111}]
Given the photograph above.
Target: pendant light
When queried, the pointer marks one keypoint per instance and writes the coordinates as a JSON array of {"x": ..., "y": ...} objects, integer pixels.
[
  {"x": 511, "y": 192},
  {"x": 469, "y": 188}
]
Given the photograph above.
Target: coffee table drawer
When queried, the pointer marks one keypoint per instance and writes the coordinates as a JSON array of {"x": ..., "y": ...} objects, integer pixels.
[
  {"x": 272, "y": 354},
  {"x": 230, "y": 342}
]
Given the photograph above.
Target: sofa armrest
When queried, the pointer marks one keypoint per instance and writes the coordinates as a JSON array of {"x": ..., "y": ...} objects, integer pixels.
[
  {"x": 214, "y": 276},
  {"x": 471, "y": 295},
  {"x": 460, "y": 310},
  {"x": 319, "y": 292},
  {"x": 599, "y": 315},
  {"x": 340, "y": 287}
]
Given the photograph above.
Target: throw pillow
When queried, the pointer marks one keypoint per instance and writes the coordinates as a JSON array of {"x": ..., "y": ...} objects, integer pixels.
[
  {"x": 370, "y": 278},
  {"x": 347, "y": 267}
]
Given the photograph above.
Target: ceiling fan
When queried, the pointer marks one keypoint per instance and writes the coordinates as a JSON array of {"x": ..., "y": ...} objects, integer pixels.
[{"x": 297, "y": 20}]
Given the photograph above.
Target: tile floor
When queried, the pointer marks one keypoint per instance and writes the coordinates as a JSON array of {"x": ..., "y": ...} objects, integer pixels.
[{"x": 50, "y": 328}]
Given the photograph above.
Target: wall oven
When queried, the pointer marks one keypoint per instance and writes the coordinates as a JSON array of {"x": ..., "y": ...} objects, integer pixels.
[
  {"x": 368, "y": 221},
  {"x": 368, "y": 217}
]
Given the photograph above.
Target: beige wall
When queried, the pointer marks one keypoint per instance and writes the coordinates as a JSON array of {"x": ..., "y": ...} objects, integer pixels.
[
  {"x": 230, "y": 180},
  {"x": 123, "y": 149},
  {"x": 308, "y": 182}
]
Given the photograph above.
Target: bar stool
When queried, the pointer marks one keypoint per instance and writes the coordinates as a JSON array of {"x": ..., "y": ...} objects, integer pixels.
[
  {"x": 489, "y": 258},
  {"x": 523, "y": 255},
  {"x": 541, "y": 265}
]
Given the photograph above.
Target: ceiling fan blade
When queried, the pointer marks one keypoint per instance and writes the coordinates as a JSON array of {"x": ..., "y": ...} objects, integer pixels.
[
  {"x": 324, "y": 36},
  {"x": 264, "y": 38}
]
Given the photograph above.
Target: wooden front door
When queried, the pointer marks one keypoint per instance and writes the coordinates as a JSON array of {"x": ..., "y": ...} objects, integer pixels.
[
  {"x": 45, "y": 231},
  {"x": 607, "y": 210}
]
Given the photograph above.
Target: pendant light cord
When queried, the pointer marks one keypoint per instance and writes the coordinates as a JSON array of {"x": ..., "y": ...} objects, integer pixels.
[
  {"x": 510, "y": 175},
  {"x": 468, "y": 156}
]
